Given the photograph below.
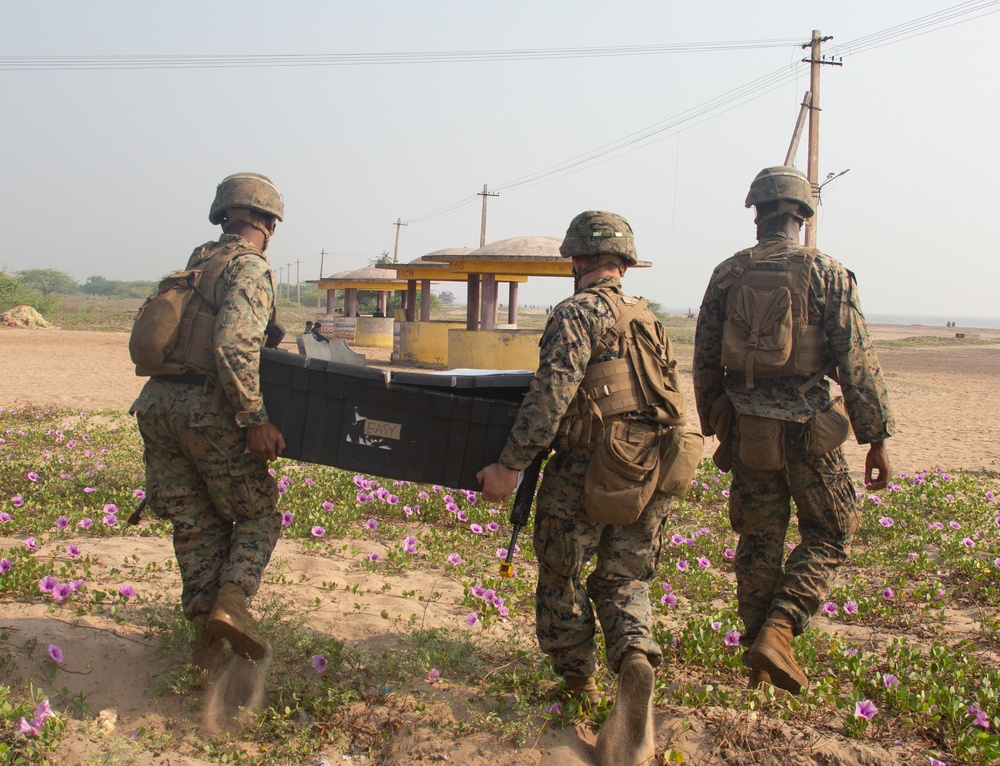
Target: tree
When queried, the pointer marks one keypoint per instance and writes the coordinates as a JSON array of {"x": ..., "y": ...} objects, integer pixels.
[
  {"x": 14, "y": 293},
  {"x": 47, "y": 281},
  {"x": 97, "y": 285}
]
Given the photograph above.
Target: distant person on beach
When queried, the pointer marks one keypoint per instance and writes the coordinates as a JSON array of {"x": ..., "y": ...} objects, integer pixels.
[
  {"x": 207, "y": 435},
  {"x": 776, "y": 321}
]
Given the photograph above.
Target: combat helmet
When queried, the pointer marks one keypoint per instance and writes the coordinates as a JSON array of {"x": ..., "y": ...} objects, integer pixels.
[
  {"x": 782, "y": 183},
  {"x": 598, "y": 233},
  {"x": 246, "y": 190}
]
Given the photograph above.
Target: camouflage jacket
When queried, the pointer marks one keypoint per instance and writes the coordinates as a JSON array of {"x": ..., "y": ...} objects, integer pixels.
[
  {"x": 565, "y": 351},
  {"x": 244, "y": 294},
  {"x": 833, "y": 305}
]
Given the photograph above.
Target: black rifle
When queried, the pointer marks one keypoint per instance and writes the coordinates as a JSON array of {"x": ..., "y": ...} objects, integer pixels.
[
  {"x": 137, "y": 513},
  {"x": 520, "y": 513}
]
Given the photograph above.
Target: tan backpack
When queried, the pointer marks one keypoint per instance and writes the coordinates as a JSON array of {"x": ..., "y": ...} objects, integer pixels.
[
  {"x": 633, "y": 408},
  {"x": 172, "y": 333},
  {"x": 767, "y": 332}
]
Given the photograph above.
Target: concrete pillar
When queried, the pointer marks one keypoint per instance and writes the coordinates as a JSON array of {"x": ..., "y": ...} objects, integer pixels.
[
  {"x": 512, "y": 303},
  {"x": 472, "y": 304},
  {"x": 411, "y": 300},
  {"x": 331, "y": 301},
  {"x": 351, "y": 302},
  {"x": 425, "y": 300},
  {"x": 488, "y": 315}
]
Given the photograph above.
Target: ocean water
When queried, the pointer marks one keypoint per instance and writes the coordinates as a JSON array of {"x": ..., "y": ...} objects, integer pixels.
[{"x": 961, "y": 322}]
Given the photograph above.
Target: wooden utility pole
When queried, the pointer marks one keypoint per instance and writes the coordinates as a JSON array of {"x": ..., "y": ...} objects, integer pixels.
[
  {"x": 815, "y": 60},
  {"x": 395, "y": 253},
  {"x": 793, "y": 147},
  {"x": 322, "y": 257},
  {"x": 484, "y": 194}
]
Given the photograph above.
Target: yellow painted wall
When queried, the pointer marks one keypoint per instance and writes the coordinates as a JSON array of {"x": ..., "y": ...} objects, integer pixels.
[
  {"x": 425, "y": 342},
  {"x": 493, "y": 350},
  {"x": 374, "y": 332}
]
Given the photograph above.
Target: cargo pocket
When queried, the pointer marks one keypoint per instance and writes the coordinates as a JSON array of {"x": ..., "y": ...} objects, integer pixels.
[
  {"x": 762, "y": 442},
  {"x": 255, "y": 493}
]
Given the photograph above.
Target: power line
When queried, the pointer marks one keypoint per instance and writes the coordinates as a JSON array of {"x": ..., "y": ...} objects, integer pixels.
[
  {"x": 726, "y": 102},
  {"x": 225, "y": 61}
]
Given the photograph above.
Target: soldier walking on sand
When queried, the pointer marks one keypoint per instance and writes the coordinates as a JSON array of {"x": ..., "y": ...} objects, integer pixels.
[
  {"x": 207, "y": 435},
  {"x": 776, "y": 321},
  {"x": 587, "y": 366}
]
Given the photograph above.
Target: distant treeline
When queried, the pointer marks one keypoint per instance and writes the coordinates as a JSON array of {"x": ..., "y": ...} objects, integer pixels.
[{"x": 41, "y": 288}]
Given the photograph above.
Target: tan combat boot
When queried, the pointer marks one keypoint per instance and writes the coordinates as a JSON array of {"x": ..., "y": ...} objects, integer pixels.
[
  {"x": 231, "y": 620},
  {"x": 582, "y": 688},
  {"x": 772, "y": 653},
  {"x": 209, "y": 651},
  {"x": 759, "y": 679},
  {"x": 627, "y": 736}
]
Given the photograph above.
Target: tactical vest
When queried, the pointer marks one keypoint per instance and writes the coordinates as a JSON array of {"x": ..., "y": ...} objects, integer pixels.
[
  {"x": 766, "y": 333},
  {"x": 173, "y": 331},
  {"x": 641, "y": 382}
]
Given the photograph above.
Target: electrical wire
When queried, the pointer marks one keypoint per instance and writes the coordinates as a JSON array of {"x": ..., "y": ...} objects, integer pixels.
[
  {"x": 226, "y": 61},
  {"x": 726, "y": 102}
]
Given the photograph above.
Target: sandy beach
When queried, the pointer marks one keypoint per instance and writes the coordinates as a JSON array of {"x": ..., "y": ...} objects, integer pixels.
[{"x": 943, "y": 395}]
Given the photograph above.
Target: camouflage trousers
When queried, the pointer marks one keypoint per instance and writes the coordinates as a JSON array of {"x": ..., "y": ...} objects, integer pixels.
[
  {"x": 626, "y": 560},
  {"x": 760, "y": 511},
  {"x": 222, "y": 503}
]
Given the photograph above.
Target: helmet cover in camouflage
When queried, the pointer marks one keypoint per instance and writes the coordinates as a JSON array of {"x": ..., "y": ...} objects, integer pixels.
[
  {"x": 782, "y": 182},
  {"x": 246, "y": 190},
  {"x": 598, "y": 233}
]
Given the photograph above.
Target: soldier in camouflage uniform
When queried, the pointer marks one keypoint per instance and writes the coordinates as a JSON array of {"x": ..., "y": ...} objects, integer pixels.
[
  {"x": 760, "y": 415},
  {"x": 601, "y": 246},
  {"x": 208, "y": 438}
]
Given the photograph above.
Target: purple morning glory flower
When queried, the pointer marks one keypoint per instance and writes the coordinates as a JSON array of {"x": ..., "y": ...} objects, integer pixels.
[{"x": 865, "y": 709}]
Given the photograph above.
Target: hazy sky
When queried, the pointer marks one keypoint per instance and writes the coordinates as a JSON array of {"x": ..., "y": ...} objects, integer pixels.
[{"x": 111, "y": 171}]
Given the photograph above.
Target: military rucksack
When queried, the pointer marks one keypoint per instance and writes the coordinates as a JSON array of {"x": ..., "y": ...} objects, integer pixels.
[
  {"x": 172, "y": 333},
  {"x": 633, "y": 408},
  {"x": 767, "y": 332}
]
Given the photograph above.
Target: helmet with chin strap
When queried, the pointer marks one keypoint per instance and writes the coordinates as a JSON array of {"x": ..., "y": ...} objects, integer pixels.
[
  {"x": 248, "y": 197},
  {"x": 598, "y": 233},
  {"x": 251, "y": 191},
  {"x": 786, "y": 186}
]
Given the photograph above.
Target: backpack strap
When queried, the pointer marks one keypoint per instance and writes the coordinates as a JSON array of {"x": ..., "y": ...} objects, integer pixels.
[{"x": 622, "y": 320}]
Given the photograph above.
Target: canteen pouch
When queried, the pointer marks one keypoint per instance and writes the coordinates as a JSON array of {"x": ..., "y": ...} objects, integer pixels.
[
  {"x": 680, "y": 453},
  {"x": 622, "y": 474},
  {"x": 721, "y": 420},
  {"x": 762, "y": 442},
  {"x": 827, "y": 429}
]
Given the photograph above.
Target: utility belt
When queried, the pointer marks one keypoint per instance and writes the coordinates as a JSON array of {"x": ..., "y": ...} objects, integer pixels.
[
  {"x": 186, "y": 379},
  {"x": 761, "y": 441},
  {"x": 209, "y": 384}
]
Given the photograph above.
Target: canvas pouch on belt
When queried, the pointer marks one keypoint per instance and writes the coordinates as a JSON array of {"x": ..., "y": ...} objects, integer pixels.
[
  {"x": 680, "y": 453},
  {"x": 762, "y": 442},
  {"x": 623, "y": 472},
  {"x": 828, "y": 428}
]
